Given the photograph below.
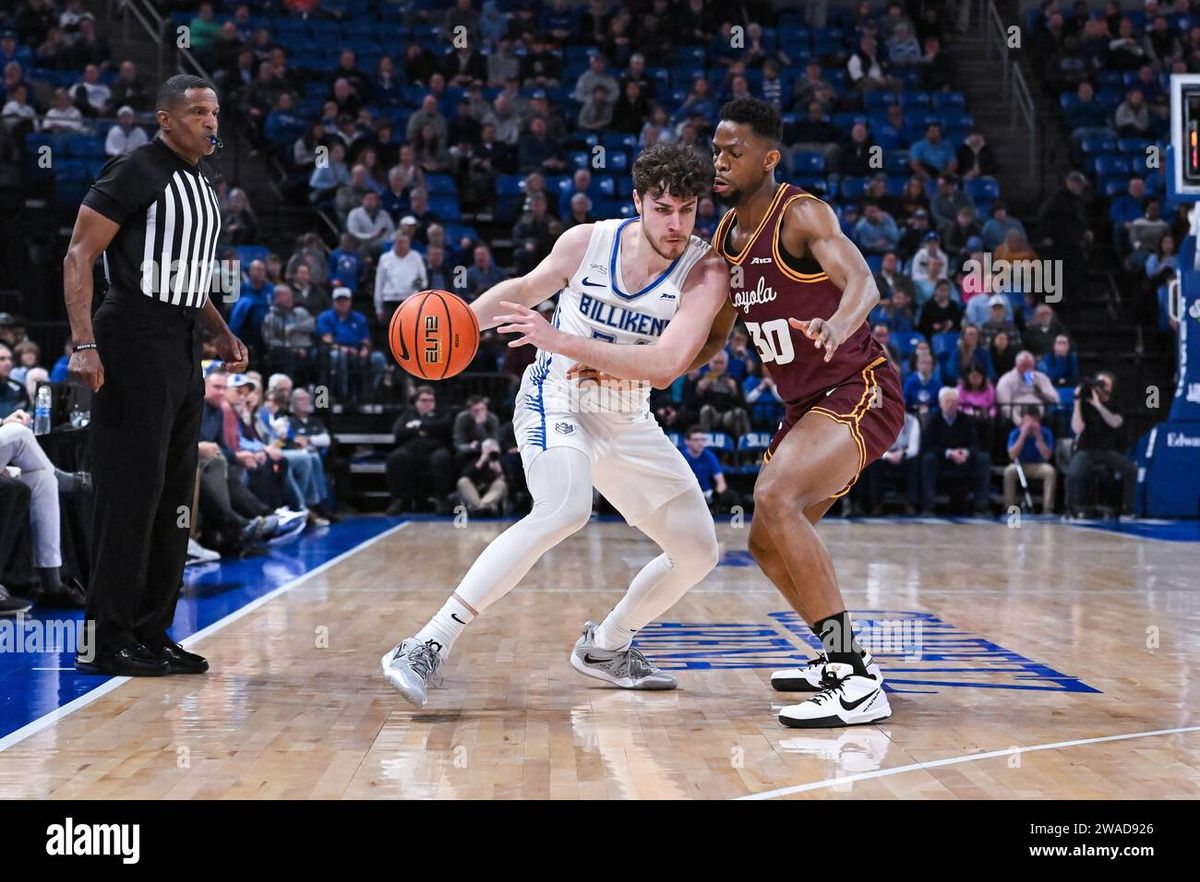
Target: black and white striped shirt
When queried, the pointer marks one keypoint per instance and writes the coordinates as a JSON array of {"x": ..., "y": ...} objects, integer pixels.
[{"x": 164, "y": 254}]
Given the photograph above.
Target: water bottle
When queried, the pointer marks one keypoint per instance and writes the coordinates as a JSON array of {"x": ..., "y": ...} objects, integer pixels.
[{"x": 41, "y": 411}]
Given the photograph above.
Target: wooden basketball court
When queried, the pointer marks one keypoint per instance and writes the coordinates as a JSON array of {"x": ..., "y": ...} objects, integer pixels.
[{"x": 1040, "y": 661}]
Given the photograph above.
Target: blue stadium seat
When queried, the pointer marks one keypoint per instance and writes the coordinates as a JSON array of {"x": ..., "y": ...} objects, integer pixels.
[
  {"x": 247, "y": 254},
  {"x": 906, "y": 342},
  {"x": 508, "y": 185},
  {"x": 618, "y": 163},
  {"x": 1098, "y": 144},
  {"x": 813, "y": 184},
  {"x": 445, "y": 207},
  {"x": 852, "y": 188},
  {"x": 947, "y": 100},
  {"x": 80, "y": 146},
  {"x": 944, "y": 344},
  {"x": 1112, "y": 165},
  {"x": 917, "y": 101},
  {"x": 878, "y": 100},
  {"x": 874, "y": 261},
  {"x": 1115, "y": 185},
  {"x": 982, "y": 188},
  {"x": 719, "y": 442},
  {"x": 440, "y": 185},
  {"x": 808, "y": 162}
]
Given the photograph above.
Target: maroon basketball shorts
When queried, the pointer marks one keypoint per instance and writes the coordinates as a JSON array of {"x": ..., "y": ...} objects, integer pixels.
[{"x": 870, "y": 404}]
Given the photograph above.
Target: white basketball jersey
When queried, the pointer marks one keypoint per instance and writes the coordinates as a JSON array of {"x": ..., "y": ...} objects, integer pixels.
[{"x": 595, "y": 303}]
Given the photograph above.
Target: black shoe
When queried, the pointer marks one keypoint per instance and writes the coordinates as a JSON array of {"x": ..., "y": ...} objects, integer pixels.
[
  {"x": 13, "y": 606},
  {"x": 65, "y": 596},
  {"x": 129, "y": 661},
  {"x": 179, "y": 659}
]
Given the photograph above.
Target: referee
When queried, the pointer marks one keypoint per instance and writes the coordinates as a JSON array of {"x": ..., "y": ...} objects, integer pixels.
[{"x": 154, "y": 215}]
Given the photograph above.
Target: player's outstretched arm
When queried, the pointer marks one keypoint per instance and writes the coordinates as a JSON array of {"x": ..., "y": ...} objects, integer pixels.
[
  {"x": 542, "y": 283},
  {"x": 810, "y": 225},
  {"x": 704, "y": 290}
]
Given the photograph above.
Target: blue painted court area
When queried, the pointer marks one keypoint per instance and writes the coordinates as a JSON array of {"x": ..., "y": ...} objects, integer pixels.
[
  {"x": 1165, "y": 531},
  {"x": 37, "y": 673}
]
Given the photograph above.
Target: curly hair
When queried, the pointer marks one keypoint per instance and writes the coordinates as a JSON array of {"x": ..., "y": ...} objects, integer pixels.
[
  {"x": 676, "y": 169},
  {"x": 761, "y": 117}
]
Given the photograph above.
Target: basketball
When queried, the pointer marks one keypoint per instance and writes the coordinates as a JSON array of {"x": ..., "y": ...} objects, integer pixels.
[{"x": 433, "y": 335}]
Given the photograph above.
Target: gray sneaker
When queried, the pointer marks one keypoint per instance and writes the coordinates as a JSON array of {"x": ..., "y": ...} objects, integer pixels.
[
  {"x": 408, "y": 667},
  {"x": 626, "y": 668}
]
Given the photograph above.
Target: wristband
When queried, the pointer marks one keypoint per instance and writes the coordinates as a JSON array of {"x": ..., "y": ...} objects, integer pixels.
[{"x": 79, "y": 347}]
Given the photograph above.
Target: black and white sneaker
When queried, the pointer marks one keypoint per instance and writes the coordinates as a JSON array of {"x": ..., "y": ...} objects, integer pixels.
[
  {"x": 807, "y": 677},
  {"x": 845, "y": 699}
]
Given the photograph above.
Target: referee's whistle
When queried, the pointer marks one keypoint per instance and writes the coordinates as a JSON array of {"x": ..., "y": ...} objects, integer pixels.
[{"x": 216, "y": 142}]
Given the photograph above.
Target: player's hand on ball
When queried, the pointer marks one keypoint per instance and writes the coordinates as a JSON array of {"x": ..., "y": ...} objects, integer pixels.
[
  {"x": 530, "y": 324},
  {"x": 821, "y": 332}
]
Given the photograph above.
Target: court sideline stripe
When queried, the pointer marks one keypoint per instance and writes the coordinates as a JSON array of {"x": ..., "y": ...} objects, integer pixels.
[
  {"x": 955, "y": 760},
  {"x": 47, "y": 720}
]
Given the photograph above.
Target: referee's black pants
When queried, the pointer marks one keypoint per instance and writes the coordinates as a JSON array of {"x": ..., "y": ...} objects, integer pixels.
[{"x": 145, "y": 430}]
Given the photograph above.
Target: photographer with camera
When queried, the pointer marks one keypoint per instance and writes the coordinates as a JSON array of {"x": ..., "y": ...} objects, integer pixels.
[
  {"x": 1098, "y": 442},
  {"x": 485, "y": 476}
]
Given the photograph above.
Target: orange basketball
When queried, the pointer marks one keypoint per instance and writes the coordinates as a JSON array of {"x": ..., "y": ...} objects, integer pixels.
[{"x": 433, "y": 335}]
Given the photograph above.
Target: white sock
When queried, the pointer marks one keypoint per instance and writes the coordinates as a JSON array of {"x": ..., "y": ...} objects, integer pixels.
[
  {"x": 446, "y": 625},
  {"x": 613, "y": 635}
]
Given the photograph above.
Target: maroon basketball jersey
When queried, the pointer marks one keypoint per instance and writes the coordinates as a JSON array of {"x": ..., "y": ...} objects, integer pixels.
[{"x": 776, "y": 286}]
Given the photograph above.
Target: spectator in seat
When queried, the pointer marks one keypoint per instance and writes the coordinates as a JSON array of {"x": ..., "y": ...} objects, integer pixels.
[
  {"x": 999, "y": 312},
  {"x": 1015, "y": 247},
  {"x": 1097, "y": 442},
  {"x": 306, "y": 293},
  {"x": 866, "y": 68},
  {"x": 763, "y": 399},
  {"x": 1060, "y": 364},
  {"x": 931, "y": 249},
  {"x": 346, "y": 344},
  {"x": 91, "y": 95},
  {"x": 254, "y": 299},
  {"x": 921, "y": 387},
  {"x": 400, "y": 274},
  {"x": 239, "y": 226},
  {"x": 124, "y": 136},
  {"x": 957, "y": 234},
  {"x": 883, "y": 336},
  {"x": 597, "y": 112},
  {"x": 876, "y": 232},
  {"x": 898, "y": 466},
  {"x": 890, "y": 278},
  {"x": 421, "y": 468},
  {"x": 707, "y": 468},
  {"x": 1032, "y": 445},
  {"x": 63, "y": 116},
  {"x": 952, "y": 456},
  {"x": 936, "y": 68},
  {"x": 287, "y": 332},
  {"x": 1003, "y": 353},
  {"x": 472, "y": 426},
  {"x": 369, "y": 223},
  {"x": 939, "y": 314},
  {"x": 998, "y": 226},
  {"x": 977, "y": 395},
  {"x": 19, "y": 447},
  {"x": 1132, "y": 117},
  {"x": 328, "y": 177},
  {"x": 854, "y": 158},
  {"x": 948, "y": 200},
  {"x": 970, "y": 353},
  {"x": 932, "y": 155},
  {"x": 974, "y": 157},
  {"x": 1040, "y": 334},
  {"x": 347, "y": 265},
  {"x": 484, "y": 273},
  {"x": 482, "y": 483},
  {"x": 1023, "y": 385},
  {"x": 720, "y": 399},
  {"x": 1087, "y": 112}
]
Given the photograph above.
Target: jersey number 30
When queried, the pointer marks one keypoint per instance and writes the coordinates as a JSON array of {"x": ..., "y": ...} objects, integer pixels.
[{"x": 773, "y": 340}]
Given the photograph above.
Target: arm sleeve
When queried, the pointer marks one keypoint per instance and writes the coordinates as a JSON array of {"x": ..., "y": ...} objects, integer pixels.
[{"x": 124, "y": 186}]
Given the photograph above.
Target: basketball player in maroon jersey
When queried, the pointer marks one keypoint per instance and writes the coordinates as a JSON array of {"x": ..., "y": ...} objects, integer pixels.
[{"x": 804, "y": 291}]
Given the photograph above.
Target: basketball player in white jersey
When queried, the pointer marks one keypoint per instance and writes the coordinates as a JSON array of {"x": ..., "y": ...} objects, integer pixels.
[{"x": 644, "y": 280}]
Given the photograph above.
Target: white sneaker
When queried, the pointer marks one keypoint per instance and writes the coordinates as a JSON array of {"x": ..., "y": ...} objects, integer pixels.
[
  {"x": 408, "y": 666},
  {"x": 807, "y": 677},
  {"x": 197, "y": 553},
  {"x": 289, "y": 522},
  {"x": 626, "y": 668},
  {"x": 846, "y": 699}
]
